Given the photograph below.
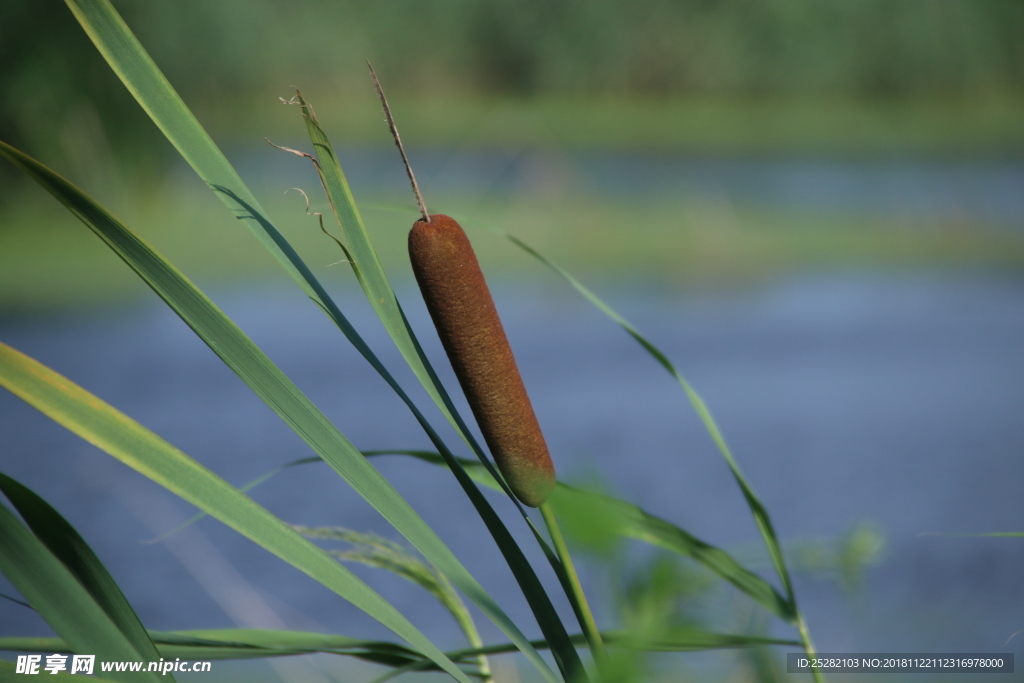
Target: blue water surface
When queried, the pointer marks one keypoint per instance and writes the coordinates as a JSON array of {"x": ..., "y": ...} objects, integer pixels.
[{"x": 846, "y": 397}]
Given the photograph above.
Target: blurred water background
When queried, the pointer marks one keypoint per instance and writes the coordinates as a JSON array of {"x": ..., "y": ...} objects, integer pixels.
[{"x": 815, "y": 209}]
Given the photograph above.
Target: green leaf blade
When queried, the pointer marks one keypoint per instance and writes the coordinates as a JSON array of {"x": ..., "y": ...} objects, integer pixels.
[
  {"x": 759, "y": 512},
  {"x": 131, "y": 443},
  {"x": 64, "y": 542},
  {"x": 247, "y": 643},
  {"x": 151, "y": 89},
  {"x": 60, "y": 599},
  {"x": 368, "y": 269},
  {"x": 634, "y": 522}
]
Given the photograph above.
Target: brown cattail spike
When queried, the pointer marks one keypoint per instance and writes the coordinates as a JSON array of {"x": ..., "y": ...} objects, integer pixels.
[{"x": 467, "y": 322}]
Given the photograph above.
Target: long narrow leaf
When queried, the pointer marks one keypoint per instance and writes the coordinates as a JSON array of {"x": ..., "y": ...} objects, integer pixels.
[
  {"x": 760, "y": 513},
  {"x": 677, "y": 639},
  {"x": 60, "y": 599},
  {"x": 629, "y": 520},
  {"x": 243, "y": 643},
  {"x": 246, "y": 487},
  {"x": 131, "y": 443},
  {"x": 154, "y": 93},
  {"x": 270, "y": 640},
  {"x": 239, "y": 643},
  {"x": 70, "y": 548},
  {"x": 633, "y": 522},
  {"x": 183, "y": 647},
  {"x": 271, "y": 385},
  {"x": 688, "y": 639},
  {"x": 371, "y": 275}
]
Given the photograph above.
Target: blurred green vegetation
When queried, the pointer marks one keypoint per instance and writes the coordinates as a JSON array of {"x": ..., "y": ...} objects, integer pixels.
[
  {"x": 735, "y": 77},
  {"x": 50, "y": 260}
]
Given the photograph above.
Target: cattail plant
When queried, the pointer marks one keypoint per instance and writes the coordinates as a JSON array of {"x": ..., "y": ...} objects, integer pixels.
[
  {"x": 53, "y": 569},
  {"x": 463, "y": 311}
]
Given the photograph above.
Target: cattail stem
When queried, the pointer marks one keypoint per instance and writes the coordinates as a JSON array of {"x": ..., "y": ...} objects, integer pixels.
[
  {"x": 575, "y": 589},
  {"x": 805, "y": 638}
]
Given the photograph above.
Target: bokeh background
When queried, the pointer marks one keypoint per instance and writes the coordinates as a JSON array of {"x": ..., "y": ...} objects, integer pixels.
[
  {"x": 736, "y": 139},
  {"x": 817, "y": 209}
]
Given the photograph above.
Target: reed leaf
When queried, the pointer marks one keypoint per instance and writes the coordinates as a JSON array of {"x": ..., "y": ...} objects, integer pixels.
[
  {"x": 60, "y": 599},
  {"x": 757, "y": 508},
  {"x": 61, "y": 539},
  {"x": 676, "y": 639},
  {"x": 134, "y": 445},
  {"x": 633, "y": 522},
  {"x": 368, "y": 269},
  {"x": 376, "y": 551},
  {"x": 628, "y": 520},
  {"x": 241, "y": 643}
]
